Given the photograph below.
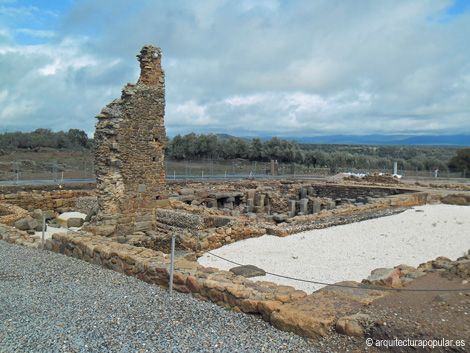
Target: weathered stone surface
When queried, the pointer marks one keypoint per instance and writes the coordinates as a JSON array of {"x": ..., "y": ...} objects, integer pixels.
[
  {"x": 105, "y": 230},
  {"x": 389, "y": 277},
  {"x": 360, "y": 294},
  {"x": 351, "y": 325},
  {"x": 74, "y": 222},
  {"x": 129, "y": 142},
  {"x": 248, "y": 271},
  {"x": 26, "y": 223},
  {"x": 267, "y": 307},
  {"x": 192, "y": 284},
  {"x": 37, "y": 214},
  {"x": 280, "y": 217},
  {"x": 9, "y": 214},
  {"x": 312, "y": 315},
  {"x": 249, "y": 306},
  {"x": 316, "y": 206}
]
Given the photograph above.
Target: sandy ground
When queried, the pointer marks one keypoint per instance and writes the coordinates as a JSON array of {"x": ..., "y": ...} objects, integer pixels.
[{"x": 352, "y": 251}]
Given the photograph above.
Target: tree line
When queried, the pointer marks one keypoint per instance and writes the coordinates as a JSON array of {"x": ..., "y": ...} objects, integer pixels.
[
  {"x": 74, "y": 139},
  {"x": 198, "y": 147},
  {"x": 210, "y": 146}
]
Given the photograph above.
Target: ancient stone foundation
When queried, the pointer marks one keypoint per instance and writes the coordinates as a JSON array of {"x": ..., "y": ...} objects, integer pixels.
[{"x": 129, "y": 142}]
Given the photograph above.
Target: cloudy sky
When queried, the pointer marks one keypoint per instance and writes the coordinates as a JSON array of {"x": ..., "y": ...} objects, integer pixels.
[{"x": 246, "y": 67}]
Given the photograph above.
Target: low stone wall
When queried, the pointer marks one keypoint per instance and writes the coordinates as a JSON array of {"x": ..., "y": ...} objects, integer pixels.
[
  {"x": 221, "y": 287},
  {"x": 45, "y": 200}
]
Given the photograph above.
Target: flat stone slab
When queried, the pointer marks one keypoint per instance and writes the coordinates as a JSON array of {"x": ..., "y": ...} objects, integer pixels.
[
  {"x": 248, "y": 271},
  {"x": 364, "y": 296},
  {"x": 313, "y": 315}
]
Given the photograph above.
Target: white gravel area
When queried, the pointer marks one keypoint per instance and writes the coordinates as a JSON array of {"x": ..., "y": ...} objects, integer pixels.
[
  {"x": 52, "y": 230},
  {"x": 350, "y": 252}
]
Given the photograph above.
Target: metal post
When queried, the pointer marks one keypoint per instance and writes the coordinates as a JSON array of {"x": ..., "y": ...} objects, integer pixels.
[
  {"x": 172, "y": 264},
  {"x": 43, "y": 229}
]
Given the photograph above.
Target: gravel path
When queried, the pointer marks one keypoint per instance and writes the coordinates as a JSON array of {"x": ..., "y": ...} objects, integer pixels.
[{"x": 53, "y": 303}]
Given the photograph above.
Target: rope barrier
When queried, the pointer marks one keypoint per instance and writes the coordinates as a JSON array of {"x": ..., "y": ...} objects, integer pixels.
[{"x": 330, "y": 284}]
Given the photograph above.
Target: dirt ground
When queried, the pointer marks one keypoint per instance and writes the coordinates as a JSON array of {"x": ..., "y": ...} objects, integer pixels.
[
  {"x": 425, "y": 315},
  {"x": 439, "y": 318}
]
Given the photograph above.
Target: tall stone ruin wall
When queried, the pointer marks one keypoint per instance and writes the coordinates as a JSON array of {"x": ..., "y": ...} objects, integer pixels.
[{"x": 129, "y": 148}]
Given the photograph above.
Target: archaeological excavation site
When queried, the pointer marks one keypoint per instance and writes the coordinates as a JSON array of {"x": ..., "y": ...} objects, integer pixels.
[{"x": 126, "y": 219}]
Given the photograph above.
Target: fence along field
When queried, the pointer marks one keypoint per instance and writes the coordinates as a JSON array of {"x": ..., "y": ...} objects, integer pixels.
[
  {"x": 64, "y": 167},
  {"x": 65, "y": 156}
]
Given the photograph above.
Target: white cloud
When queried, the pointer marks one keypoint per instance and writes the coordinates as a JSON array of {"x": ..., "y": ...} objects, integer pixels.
[
  {"x": 36, "y": 32},
  {"x": 13, "y": 108},
  {"x": 246, "y": 100},
  {"x": 191, "y": 113},
  {"x": 253, "y": 67}
]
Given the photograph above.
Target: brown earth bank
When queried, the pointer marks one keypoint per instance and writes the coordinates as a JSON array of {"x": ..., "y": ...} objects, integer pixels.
[
  {"x": 440, "y": 318},
  {"x": 404, "y": 321}
]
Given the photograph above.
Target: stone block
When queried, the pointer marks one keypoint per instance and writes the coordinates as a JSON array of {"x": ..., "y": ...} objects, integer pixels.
[
  {"x": 162, "y": 203},
  {"x": 291, "y": 211},
  {"x": 74, "y": 222},
  {"x": 267, "y": 307},
  {"x": 310, "y": 191},
  {"x": 192, "y": 284},
  {"x": 105, "y": 230},
  {"x": 351, "y": 325},
  {"x": 280, "y": 217},
  {"x": 330, "y": 204},
  {"x": 250, "y": 194},
  {"x": 250, "y": 205},
  {"x": 316, "y": 205},
  {"x": 248, "y": 271},
  {"x": 304, "y": 206},
  {"x": 389, "y": 277},
  {"x": 249, "y": 306},
  {"x": 221, "y": 221},
  {"x": 26, "y": 223},
  {"x": 186, "y": 191}
]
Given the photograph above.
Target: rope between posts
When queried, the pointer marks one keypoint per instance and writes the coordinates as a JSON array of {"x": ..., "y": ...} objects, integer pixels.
[{"x": 329, "y": 284}]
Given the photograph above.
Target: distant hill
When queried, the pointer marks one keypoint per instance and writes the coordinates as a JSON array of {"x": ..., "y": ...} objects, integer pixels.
[{"x": 224, "y": 136}]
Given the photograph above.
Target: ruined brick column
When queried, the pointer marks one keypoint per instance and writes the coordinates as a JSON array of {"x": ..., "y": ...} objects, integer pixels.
[{"x": 129, "y": 151}]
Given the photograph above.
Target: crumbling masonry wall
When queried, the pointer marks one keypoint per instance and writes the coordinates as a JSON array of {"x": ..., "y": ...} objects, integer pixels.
[{"x": 129, "y": 150}]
